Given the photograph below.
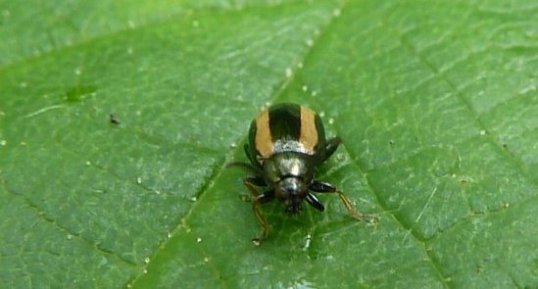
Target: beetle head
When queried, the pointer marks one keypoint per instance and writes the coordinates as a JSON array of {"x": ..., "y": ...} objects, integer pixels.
[
  {"x": 290, "y": 173},
  {"x": 292, "y": 190}
]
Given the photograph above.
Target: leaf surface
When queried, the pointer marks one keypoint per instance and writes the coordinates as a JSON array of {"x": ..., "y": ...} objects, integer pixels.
[{"x": 117, "y": 121}]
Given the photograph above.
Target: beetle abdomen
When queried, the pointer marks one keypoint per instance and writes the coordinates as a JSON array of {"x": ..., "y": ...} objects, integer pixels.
[{"x": 287, "y": 127}]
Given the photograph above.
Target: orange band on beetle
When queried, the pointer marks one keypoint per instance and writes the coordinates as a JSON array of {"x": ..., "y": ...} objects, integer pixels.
[
  {"x": 264, "y": 142},
  {"x": 309, "y": 132}
]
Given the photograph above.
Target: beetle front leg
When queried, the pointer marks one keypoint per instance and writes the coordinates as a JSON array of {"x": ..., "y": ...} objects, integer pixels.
[
  {"x": 257, "y": 200},
  {"x": 323, "y": 187},
  {"x": 314, "y": 202},
  {"x": 251, "y": 183},
  {"x": 261, "y": 199}
]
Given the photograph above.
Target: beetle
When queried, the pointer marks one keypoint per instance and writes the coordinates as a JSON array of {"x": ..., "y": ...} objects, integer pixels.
[{"x": 286, "y": 145}]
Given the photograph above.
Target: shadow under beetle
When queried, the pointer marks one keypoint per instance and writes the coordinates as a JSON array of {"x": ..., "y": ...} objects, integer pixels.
[{"x": 286, "y": 145}]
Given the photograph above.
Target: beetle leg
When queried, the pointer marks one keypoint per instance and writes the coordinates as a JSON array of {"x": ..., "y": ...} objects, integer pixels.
[
  {"x": 351, "y": 210},
  {"x": 254, "y": 181},
  {"x": 331, "y": 146},
  {"x": 257, "y": 200},
  {"x": 323, "y": 187},
  {"x": 251, "y": 183},
  {"x": 313, "y": 200},
  {"x": 249, "y": 167}
]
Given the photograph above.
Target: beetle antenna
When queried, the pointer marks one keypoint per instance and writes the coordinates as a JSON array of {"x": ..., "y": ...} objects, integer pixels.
[{"x": 246, "y": 166}]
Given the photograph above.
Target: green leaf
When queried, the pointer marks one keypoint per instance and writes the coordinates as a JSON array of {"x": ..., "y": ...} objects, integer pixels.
[{"x": 117, "y": 120}]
